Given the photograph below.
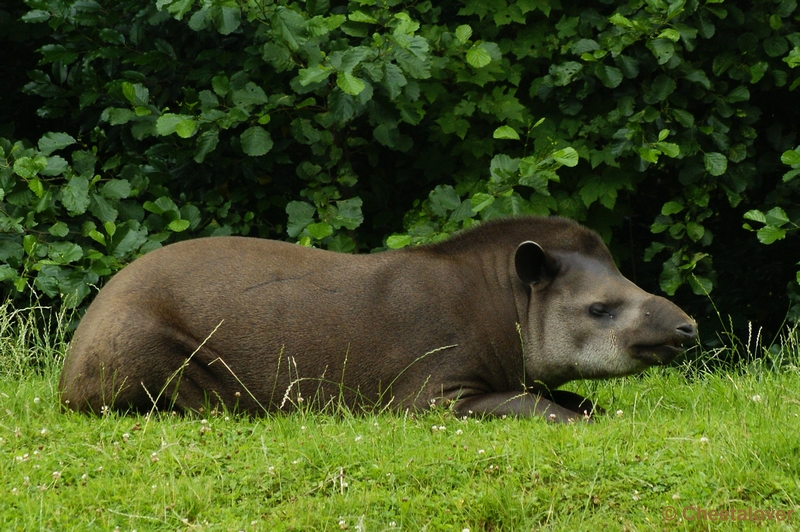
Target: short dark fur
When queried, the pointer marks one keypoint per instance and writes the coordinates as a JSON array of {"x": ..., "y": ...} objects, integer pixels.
[
  {"x": 256, "y": 324},
  {"x": 553, "y": 233}
]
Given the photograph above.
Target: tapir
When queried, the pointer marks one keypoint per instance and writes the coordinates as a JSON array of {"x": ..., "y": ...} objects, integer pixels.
[{"x": 491, "y": 321}]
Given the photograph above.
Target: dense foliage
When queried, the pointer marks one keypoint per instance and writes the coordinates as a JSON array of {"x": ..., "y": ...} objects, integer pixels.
[{"x": 358, "y": 126}]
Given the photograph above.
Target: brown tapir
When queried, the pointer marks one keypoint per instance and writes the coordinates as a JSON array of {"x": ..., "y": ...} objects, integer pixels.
[{"x": 493, "y": 320}]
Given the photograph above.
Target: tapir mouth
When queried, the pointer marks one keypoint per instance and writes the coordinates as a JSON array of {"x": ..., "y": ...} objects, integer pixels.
[{"x": 658, "y": 354}]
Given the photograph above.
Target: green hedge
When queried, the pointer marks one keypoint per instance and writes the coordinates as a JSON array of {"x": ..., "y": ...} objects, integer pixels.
[{"x": 364, "y": 125}]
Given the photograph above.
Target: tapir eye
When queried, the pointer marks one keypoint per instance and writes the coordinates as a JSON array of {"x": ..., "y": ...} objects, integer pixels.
[{"x": 599, "y": 310}]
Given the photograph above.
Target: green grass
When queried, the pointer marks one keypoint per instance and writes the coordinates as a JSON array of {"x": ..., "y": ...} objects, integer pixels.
[{"x": 673, "y": 438}]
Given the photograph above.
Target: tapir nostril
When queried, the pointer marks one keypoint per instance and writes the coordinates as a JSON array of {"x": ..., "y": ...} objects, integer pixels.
[{"x": 689, "y": 330}]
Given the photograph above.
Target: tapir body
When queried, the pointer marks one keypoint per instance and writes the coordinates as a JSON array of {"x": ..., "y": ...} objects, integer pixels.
[{"x": 492, "y": 320}]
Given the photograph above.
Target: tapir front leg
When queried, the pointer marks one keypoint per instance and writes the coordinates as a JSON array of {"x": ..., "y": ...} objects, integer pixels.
[{"x": 560, "y": 406}]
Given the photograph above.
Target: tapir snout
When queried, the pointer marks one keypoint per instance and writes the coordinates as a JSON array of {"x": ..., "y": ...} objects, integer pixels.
[{"x": 672, "y": 331}]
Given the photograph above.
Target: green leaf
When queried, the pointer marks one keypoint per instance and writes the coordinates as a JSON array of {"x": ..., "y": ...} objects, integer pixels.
[
  {"x": 670, "y": 34},
  {"x": 315, "y": 74},
  {"x": 221, "y": 85},
  {"x": 756, "y": 216},
  {"x": 256, "y": 141},
  {"x": 290, "y": 26},
  {"x": 128, "y": 238},
  {"x": 393, "y": 80},
  {"x": 671, "y": 207},
  {"x": 791, "y": 157},
  {"x": 695, "y": 231},
  {"x": 776, "y": 216},
  {"x": 7, "y": 273},
  {"x": 683, "y": 117},
  {"x": 662, "y": 49},
  {"x": 36, "y": 187},
  {"x": 136, "y": 93},
  {"x": 769, "y": 234},
  {"x": 599, "y": 189},
  {"x": 444, "y": 199},
  {"x": 29, "y": 167},
  {"x": 662, "y": 87},
  {"x": 300, "y": 215},
  {"x": 715, "y": 163},
  {"x": 319, "y": 230},
  {"x": 206, "y": 143},
  {"x": 505, "y": 132},
  {"x": 179, "y": 225},
  {"x": 481, "y": 200},
  {"x": 59, "y": 229},
  {"x": 169, "y": 123},
  {"x": 56, "y": 165},
  {"x": 116, "y": 189},
  {"x": 463, "y": 33},
  {"x": 349, "y": 83},
  {"x": 102, "y": 209},
  {"x": 609, "y": 76},
  {"x": 739, "y": 94},
  {"x": 251, "y": 94},
  {"x": 619, "y": 20},
  {"x": 83, "y": 162},
  {"x": 349, "y": 214},
  {"x": 35, "y": 16},
  {"x": 360, "y": 16},
  {"x": 29, "y": 244},
  {"x": 478, "y": 56},
  {"x": 186, "y": 128},
  {"x": 669, "y": 149},
  {"x": 116, "y": 116},
  {"x": 64, "y": 252},
  {"x": 160, "y": 206},
  {"x": 566, "y": 156},
  {"x": 75, "y": 195},
  {"x": 342, "y": 105},
  {"x": 398, "y": 241},
  {"x": 701, "y": 286},
  {"x": 564, "y": 73},
  {"x": 698, "y": 76},
  {"x": 227, "y": 19},
  {"x": 51, "y": 142},
  {"x": 503, "y": 168}
]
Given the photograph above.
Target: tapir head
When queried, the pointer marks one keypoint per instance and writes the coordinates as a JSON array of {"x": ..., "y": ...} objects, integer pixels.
[{"x": 587, "y": 321}]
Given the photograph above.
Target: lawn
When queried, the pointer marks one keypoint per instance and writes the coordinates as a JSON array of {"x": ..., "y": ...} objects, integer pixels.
[{"x": 680, "y": 448}]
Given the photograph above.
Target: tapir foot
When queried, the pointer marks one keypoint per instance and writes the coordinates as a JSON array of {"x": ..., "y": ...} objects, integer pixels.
[
  {"x": 576, "y": 403},
  {"x": 558, "y": 406}
]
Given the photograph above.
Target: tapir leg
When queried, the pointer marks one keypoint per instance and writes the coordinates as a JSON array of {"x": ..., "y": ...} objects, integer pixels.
[
  {"x": 151, "y": 366},
  {"x": 575, "y": 402},
  {"x": 523, "y": 405}
]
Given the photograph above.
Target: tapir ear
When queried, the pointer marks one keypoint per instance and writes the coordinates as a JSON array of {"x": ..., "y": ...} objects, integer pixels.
[{"x": 534, "y": 265}]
